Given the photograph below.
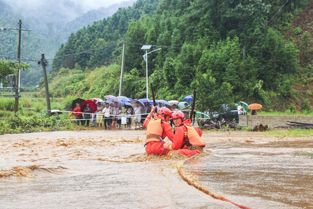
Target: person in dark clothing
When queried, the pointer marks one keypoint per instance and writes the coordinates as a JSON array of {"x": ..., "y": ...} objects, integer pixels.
[
  {"x": 87, "y": 114},
  {"x": 78, "y": 114}
]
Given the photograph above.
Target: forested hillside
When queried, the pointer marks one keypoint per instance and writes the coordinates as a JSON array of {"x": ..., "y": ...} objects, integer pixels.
[
  {"x": 49, "y": 29},
  {"x": 227, "y": 50},
  {"x": 98, "y": 44}
]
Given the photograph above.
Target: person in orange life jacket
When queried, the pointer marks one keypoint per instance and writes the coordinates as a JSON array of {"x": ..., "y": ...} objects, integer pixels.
[
  {"x": 187, "y": 139},
  {"x": 157, "y": 129}
]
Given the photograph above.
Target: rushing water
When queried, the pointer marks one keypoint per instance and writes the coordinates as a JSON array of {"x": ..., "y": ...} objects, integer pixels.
[
  {"x": 97, "y": 169},
  {"x": 279, "y": 172}
]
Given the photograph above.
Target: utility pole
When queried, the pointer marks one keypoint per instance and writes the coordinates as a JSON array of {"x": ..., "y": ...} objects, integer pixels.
[
  {"x": 17, "y": 78},
  {"x": 122, "y": 70},
  {"x": 44, "y": 63},
  {"x": 147, "y": 76}
]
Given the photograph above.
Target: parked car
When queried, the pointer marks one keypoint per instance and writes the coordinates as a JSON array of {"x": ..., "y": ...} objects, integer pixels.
[
  {"x": 228, "y": 112},
  {"x": 226, "y": 115}
]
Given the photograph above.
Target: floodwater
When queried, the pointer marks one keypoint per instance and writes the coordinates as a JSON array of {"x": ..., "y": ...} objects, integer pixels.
[{"x": 98, "y": 169}]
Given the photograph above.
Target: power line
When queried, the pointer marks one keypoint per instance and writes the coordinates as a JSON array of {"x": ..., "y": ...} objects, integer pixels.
[
  {"x": 88, "y": 51},
  {"x": 12, "y": 29}
]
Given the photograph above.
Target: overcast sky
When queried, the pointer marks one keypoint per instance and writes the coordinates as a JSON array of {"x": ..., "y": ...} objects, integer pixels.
[
  {"x": 57, "y": 10},
  {"x": 86, "y": 4}
]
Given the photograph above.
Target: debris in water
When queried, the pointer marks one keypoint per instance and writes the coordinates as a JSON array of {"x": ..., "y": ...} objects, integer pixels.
[{"x": 27, "y": 171}]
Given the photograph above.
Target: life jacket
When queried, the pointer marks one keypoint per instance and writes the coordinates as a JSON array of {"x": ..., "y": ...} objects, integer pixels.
[
  {"x": 154, "y": 130},
  {"x": 192, "y": 137}
]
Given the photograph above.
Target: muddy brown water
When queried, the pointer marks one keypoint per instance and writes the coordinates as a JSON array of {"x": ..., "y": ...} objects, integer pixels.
[{"x": 97, "y": 169}]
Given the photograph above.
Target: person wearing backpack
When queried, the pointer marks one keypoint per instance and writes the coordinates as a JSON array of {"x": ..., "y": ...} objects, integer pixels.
[{"x": 187, "y": 139}]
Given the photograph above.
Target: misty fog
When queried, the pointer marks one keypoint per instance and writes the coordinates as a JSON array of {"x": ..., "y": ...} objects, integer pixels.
[{"x": 61, "y": 10}]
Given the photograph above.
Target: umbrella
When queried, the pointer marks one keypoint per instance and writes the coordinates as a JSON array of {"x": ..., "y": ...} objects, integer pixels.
[
  {"x": 255, "y": 106},
  {"x": 75, "y": 101},
  {"x": 182, "y": 105},
  {"x": 173, "y": 102},
  {"x": 127, "y": 104},
  {"x": 145, "y": 101},
  {"x": 92, "y": 104},
  {"x": 139, "y": 102},
  {"x": 123, "y": 99},
  {"x": 244, "y": 105},
  {"x": 163, "y": 102},
  {"x": 97, "y": 100},
  {"x": 111, "y": 98},
  {"x": 188, "y": 98}
]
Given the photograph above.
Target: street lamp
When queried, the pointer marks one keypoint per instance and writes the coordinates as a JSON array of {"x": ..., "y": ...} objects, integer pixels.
[{"x": 146, "y": 48}]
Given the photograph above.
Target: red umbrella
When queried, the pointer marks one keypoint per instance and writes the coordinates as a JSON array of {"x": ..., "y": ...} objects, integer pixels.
[{"x": 92, "y": 105}]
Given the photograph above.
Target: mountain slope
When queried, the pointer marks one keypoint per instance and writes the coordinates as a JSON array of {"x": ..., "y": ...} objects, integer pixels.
[
  {"x": 96, "y": 44},
  {"x": 228, "y": 51},
  {"x": 92, "y": 16},
  {"x": 49, "y": 29}
]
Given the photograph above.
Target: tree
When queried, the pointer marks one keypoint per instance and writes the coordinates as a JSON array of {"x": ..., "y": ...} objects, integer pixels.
[{"x": 8, "y": 67}]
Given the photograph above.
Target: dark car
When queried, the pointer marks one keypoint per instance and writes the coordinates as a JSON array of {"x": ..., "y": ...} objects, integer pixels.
[{"x": 228, "y": 112}]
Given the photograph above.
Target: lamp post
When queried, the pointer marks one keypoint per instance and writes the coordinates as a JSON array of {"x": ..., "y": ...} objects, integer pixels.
[{"x": 146, "y": 48}]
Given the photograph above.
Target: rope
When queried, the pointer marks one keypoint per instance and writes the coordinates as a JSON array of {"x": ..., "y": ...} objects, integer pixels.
[{"x": 201, "y": 188}]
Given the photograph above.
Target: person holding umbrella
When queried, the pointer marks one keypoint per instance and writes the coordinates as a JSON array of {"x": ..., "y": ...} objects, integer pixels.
[
  {"x": 87, "y": 114},
  {"x": 78, "y": 114},
  {"x": 88, "y": 107},
  {"x": 137, "y": 112},
  {"x": 107, "y": 111},
  {"x": 254, "y": 108}
]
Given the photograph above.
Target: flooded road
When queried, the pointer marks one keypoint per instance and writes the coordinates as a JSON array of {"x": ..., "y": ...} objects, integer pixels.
[{"x": 97, "y": 169}]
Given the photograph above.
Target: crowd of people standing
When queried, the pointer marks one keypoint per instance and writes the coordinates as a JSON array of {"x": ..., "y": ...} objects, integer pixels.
[{"x": 112, "y": 115}]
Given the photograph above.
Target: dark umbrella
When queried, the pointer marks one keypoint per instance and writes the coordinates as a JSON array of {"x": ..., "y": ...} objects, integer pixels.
[
  {"x": 144, "y": 101},
  {"x": 163, "y": 102},
  {"x": 188, "y": 98},
  {"x": 75, "y": 101},
  {"x": 127, "y": 104},
  {"x": 92, "y": 105},
  {"x": 139, "y": 102},
  {"x": 124, "y": 100}
]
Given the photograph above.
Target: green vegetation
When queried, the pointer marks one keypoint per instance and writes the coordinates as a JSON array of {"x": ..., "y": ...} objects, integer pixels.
[
  {"x": 287, "y": 113},
  {"x": 228, "y": 51},
  {"x": 32, "y": 115},
  {"x": 291, "y": 132},
  {"x": 49, "y": 29},
  {"x": 31, "y": 123},
  {"x": 97, "y": 45},
  {"x": 9, "y": 67},
  {"x": 95, "y": 83}
]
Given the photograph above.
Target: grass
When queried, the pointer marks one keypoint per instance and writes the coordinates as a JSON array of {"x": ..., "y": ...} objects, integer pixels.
[
  {"x": 291, "y": 132},
  {"x": 32, "y": 115},
  {"x": 287, "y": 113}
]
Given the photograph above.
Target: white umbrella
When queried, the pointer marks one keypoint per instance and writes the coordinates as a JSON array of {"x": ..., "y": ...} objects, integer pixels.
[{"x": 173, "y": 102}]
